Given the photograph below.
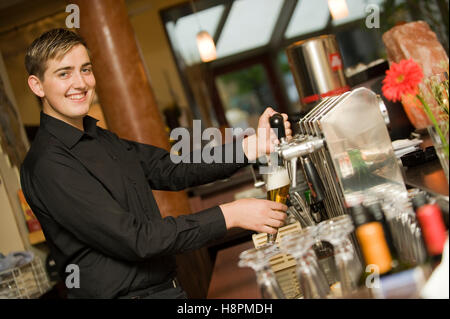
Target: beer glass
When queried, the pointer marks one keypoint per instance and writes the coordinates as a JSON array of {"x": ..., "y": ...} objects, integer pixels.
[{"x": 277, "y": 186}]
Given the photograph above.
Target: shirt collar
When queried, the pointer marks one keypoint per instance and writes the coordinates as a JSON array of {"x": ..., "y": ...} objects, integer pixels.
[{"x": 66, "y": 133}]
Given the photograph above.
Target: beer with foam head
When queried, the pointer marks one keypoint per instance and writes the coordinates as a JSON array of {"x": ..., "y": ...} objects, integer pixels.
[{"x": 277, "y": 185}]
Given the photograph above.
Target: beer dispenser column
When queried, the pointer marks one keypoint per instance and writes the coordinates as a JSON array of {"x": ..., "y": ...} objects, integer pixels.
[
  {"x": 277, "y": 180},
  {"x": 283, "y": 167}
]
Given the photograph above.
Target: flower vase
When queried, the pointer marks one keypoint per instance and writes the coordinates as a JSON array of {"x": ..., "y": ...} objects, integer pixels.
[
  {"x": 440, "y": 145},
  {"x": 434, "y": 95}
]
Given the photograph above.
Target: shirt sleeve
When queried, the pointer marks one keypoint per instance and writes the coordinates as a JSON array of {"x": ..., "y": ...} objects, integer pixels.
[
  {"x": 166, "y": 171},
  {"x": 84, "y": 207}
]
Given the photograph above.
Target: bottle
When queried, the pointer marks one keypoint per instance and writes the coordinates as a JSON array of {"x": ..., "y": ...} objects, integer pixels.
[
  {"x": 374, "y": 248},
  {"x": 377, "y": 212},
  {"x": 433, "y": 228}
]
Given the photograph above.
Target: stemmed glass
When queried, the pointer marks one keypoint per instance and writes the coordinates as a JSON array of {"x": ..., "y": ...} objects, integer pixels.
[
  {"x": 312, "y": 280},
  {"x": 406, "y": 231},
  {"x": 259, "y": 260},
  {"x": 401, "y": 218},
  {"x": 336, "y": 231}
]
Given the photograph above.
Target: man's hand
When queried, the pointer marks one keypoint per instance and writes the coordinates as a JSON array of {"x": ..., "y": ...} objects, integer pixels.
[
  {"x": 264, "y": 141},
  {"x": 260, "y": 215}
]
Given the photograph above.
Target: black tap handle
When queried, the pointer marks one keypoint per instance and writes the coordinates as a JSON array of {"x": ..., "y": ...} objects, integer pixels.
[
  {"x": 277, "y": 122},
  {"x": 314, "y": 181}
]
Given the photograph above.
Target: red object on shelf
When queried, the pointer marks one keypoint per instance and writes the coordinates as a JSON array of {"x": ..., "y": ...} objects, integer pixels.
[{"x": 433, "y": 228}]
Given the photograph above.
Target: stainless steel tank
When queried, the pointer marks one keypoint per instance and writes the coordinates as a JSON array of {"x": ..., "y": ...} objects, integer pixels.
[{"x": 318, "y": 69}]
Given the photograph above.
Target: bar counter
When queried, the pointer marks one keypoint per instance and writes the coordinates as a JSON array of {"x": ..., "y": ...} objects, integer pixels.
[{"x": 228, "y": 281}]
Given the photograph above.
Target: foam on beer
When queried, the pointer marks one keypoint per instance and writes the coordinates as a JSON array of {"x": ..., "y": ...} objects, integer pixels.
[{"x": 277, "y": 179}]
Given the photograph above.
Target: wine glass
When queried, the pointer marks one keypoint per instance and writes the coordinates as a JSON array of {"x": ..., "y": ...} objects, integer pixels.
[
  {"x": 259, "y": 260},
  {"x": 312, "y": 280},
  {"x": 336, "y": 231}
]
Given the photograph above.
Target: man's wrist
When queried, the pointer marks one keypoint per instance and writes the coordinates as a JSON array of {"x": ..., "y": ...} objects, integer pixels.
[
  {"x": 229, "y": 222},
  {"x": 250, "y": 147}
]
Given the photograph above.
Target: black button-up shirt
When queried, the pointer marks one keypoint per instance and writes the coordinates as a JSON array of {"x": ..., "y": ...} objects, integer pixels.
[{"x": 91, "y": 192}]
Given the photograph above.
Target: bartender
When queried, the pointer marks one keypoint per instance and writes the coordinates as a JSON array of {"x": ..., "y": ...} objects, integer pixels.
[{"x": 92, "y": 191}]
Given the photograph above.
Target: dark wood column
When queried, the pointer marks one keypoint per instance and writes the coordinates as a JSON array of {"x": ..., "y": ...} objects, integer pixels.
[{"x": 130, "y": 108}]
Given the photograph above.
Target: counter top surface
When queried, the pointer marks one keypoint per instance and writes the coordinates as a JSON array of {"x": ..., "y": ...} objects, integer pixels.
[
  {"x": 429, "y": 177},
  {"x": 228, "y": 280}
]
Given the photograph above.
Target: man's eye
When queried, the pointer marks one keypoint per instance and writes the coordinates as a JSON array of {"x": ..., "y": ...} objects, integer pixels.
[
  {"x": 63, "y": 74},
  {"x": 86, "y": 70}
]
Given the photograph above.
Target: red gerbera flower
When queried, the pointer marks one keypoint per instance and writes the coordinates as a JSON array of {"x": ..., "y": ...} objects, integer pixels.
[{"x": 402, "y": 78}]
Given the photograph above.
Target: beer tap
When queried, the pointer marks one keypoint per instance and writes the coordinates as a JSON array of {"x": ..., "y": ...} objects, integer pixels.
[
  {"x": 291, "y": 151},
  {"x": 277, "y": 123},
  {"x": 299, "y": 148}
]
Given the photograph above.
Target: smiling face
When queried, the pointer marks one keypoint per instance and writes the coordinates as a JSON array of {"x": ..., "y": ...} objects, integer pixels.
[{"x": 68, "y": 86}]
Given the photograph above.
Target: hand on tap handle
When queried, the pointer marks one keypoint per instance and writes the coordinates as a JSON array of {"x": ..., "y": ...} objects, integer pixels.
[{"x": 265, "y": 139}]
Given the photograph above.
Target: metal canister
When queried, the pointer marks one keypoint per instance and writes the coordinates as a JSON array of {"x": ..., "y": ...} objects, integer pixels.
[{"x": 318, "y": 69}]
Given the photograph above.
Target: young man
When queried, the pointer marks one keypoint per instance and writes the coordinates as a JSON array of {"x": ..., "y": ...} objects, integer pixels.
[{"x": 91, "y": 190}]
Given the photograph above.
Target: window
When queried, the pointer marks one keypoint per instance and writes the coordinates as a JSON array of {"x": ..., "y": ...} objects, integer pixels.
[
  {"x": 245, "y": 94},
  {"x": 309, "y": 16},
  {"x": 249, "y": 25},
  {"x": 183, "y": 32}
]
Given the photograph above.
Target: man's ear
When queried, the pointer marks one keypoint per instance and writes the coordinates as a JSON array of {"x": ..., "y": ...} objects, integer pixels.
[{"x": 35, "y": 85}]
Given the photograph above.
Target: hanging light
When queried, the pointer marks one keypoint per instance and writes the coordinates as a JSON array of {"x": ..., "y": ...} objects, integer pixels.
[
  {"x": 206, "y": 46},
  {"x": 205, "y": 42},
  {"x": 338, "y": 9}
]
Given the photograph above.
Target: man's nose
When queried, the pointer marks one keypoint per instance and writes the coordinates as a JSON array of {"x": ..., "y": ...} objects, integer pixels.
[{"x": 79, "y": 81}]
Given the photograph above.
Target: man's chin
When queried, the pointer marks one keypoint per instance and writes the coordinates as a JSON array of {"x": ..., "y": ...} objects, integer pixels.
[
  {"x": 79, "y": 115},
  {"x": 79, "y": 110}
]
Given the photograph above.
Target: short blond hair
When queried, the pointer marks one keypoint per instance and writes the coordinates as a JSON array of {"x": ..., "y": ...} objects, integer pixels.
[{"x": 53, "y": 44}]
